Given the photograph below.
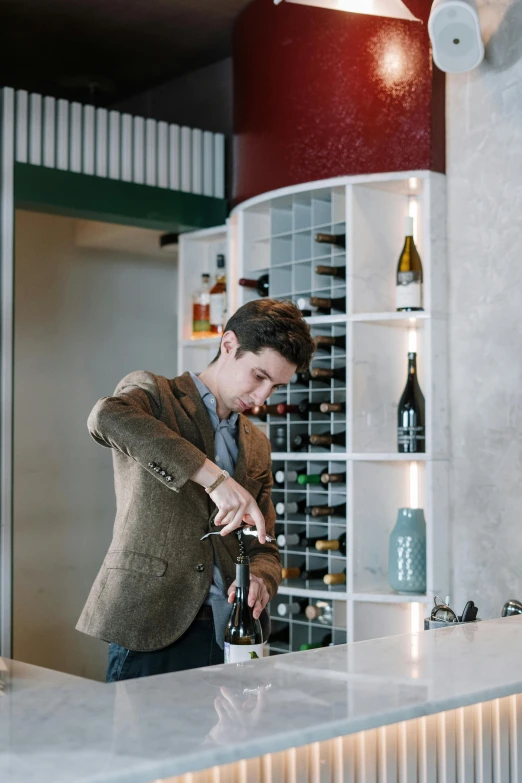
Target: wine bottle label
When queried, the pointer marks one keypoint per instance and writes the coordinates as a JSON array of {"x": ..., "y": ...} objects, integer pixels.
[
  {"x": 236, "y": 653},
  {"x": 409, "y": 290},
  {"x": 410, "y": 438},
  {"x": 217, "y": 309}
]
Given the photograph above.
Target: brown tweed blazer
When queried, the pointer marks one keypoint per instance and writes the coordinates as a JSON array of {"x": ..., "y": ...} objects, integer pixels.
[{"x": 157, "y": 572}]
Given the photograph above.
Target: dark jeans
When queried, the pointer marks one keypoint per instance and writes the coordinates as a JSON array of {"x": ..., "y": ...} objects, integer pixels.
[{"x": 197, "y": 647}]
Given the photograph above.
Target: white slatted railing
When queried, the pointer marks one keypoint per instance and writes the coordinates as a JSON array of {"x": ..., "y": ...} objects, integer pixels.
[
  {"x": 477, "y": 744},
  {"x": 88, "y": 140}
]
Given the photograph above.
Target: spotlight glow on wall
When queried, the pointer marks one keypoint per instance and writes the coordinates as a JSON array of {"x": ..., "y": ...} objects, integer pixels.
[{"x": 391, "y": 8}]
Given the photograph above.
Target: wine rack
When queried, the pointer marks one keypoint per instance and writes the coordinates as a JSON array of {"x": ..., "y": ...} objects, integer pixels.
[
  {"x": 303, "y": 631},
  {"x": 275, "y": 234}
]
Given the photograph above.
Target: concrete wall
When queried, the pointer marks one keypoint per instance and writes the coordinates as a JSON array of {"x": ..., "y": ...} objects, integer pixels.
[
  {"x": 484, "y": 167},
  {"x": 85, "y": 317}
]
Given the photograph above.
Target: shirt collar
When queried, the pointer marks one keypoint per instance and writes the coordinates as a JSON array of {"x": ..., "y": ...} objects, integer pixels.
[{"x": 210, "y": 401}]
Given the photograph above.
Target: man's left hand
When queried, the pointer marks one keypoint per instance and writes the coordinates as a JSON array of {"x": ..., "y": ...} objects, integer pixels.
[{"x": 257, "y": 595}]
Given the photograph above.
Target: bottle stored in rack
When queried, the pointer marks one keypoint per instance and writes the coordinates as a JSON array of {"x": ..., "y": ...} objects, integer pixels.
[
  {"x": 302, "y": 440},
  {"x": 325, "y": 342},
  {"x": 332, "y": 545},
  {"x": 261, "y": 284}
]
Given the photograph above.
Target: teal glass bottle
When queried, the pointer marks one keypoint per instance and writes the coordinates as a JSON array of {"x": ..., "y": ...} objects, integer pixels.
[{"x": 407, "y": 552}]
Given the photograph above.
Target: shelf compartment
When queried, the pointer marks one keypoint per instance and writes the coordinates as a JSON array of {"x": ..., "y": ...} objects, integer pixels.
[{"x": 379, "y": 490}]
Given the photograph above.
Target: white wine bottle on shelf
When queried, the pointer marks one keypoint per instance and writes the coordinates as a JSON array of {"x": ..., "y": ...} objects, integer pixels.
[{"x": 409, "y": 291}]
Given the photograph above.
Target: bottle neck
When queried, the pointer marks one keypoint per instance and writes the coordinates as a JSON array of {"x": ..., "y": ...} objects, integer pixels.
[{"x": 242, "y": 577}]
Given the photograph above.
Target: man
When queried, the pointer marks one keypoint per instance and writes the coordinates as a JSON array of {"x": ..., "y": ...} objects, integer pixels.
[{"x": 160, "y": 597}]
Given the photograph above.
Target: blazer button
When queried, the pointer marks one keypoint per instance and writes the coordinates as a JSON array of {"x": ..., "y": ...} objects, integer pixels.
[
  {"x": 152, "y": 464},
  {"x": 168, "y": 478},
  {"x": 200, "y": 567},
  {"x": 156, "y": 469},
  {"x": 163, "y": 472}
]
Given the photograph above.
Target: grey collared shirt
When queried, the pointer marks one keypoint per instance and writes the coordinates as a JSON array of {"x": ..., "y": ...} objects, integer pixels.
[{"x": 225, "y": 452}]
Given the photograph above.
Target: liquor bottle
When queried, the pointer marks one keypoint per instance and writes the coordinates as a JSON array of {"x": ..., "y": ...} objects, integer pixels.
[
  {"x": 325, "y": 642},
  {"x": 333, "y": 545},
  {"x": 323, "y": 374},
  {"x": 321, "y": 611},
  {"x": 335, "y": 579},
  {"x": 332, "y": 271},
  {"x": 281, "y": 634},
  {"x": 411, "y": 413},
  {"x": 218, "y": 299},
  {"x": 301, "y": 572},
  {"x": 320, "y": 305},
  {"x": 300, "y": 442},
  {"x": 261, "y": 284},
  {"x": 409, "y": 273},
  {"x": 201, "y": 308},
  {"x": 339, "y": 240},
  {"x": 243, "y": 635},
  {"x": 279, "y": 409},
  {"x": 297, "y": 606},
  {"x": 323, "y": 478},
  {"x": 325, "y": 342},
  {"x": 289, "y": 476},
  {"x": 298, "y": 539}
]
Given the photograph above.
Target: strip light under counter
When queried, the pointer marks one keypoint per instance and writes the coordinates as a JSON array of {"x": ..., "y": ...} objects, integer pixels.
[{"x": 478, "y": 743}]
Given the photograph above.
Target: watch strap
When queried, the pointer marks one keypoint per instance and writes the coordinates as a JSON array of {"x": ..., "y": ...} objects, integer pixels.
[{"x": 222, "y": 477}]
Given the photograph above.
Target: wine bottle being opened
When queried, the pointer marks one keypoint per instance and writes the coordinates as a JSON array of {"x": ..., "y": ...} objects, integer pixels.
[
  {"x": 409, "y": 294},
  {"x": 243, "y": 635}
]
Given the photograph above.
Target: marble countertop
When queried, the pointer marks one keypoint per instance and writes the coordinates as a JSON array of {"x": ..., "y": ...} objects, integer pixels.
[{"x": 56, "y": 728}]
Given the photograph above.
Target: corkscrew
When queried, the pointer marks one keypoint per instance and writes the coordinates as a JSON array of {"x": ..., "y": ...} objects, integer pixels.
[{"x": 244, "y": 530}]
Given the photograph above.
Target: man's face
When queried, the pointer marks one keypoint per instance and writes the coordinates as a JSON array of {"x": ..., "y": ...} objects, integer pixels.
[{"x": 252, "y": 378}]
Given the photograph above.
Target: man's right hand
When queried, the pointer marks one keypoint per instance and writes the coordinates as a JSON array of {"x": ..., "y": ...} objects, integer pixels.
[{"x": 236, "y": 506}]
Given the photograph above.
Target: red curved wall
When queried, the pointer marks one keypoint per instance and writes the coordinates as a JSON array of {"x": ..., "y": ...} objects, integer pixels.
[{"x": 320, "y": 93}]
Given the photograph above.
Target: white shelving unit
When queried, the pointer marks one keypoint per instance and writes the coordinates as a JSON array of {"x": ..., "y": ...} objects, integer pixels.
[{"x": 274, "y": 234}]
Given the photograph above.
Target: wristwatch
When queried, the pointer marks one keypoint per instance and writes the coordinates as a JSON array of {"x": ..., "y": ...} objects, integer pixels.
[{"x": 223, "y": 476}]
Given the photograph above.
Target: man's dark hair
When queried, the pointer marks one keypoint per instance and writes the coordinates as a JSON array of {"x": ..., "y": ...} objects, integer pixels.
[{"x": 275, "y": 324}]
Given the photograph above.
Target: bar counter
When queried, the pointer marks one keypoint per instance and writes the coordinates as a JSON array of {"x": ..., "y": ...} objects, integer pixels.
[{"x": 437, "y": 705}]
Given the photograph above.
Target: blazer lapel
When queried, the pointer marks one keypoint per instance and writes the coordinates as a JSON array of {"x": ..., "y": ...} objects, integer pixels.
[
  {"x": 190, "y": 400},
  {"x": 244, "y": 444}
]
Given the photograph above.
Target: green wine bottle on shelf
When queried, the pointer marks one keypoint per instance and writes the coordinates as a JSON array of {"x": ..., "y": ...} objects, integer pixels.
[
  {"x": 326, "y": 641},
  {"x": 324, "y": 478},
  {"x": 243, "y": 635},
  {"x": 409, "y": 273},
  {"x": 288, "y": 476}
]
